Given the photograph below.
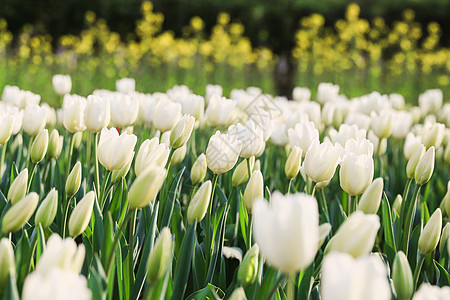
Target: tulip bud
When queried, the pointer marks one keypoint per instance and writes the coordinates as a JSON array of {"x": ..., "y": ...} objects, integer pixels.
[
  {"x": 77, "y": 138},
  {"x": 182, "y": 131},
  {"x": 7, "y": 264},
  {"x": 402, "y": 277},
  {"x": 73, "y": 181},
  {"x": 47, "y": 210},
  {"x": 434, "y": 136},
  {"x": 425, "y": 167},
  {"x": 116, "y": 175},
  {"x": 81, "y": 215},
  {"x": 446, "y": 200},
  {"x": 371, "y": 198},
  {"x": 39, "y": 146},
  {"x": 397, "y": 204},
  {"x": 447, "y": 154},
  {"x": 199, "y": 203},
  {"x": 238, "y": 294},
  {"x": 240, "y": 174},
  {"x": 55, "y": 144},
  {"x": 321, "y": 160},
  {"x": 160, "y": 256},
  {"x": 356, "y": 236},
  {"x": 293, "y": 162},
  {"x": 18, "y": 187},
  {"x": 445, "y": 237},
  {"x": 382, "y": 125},
  {"x": 254, "y": 189},
  {"x": 356, "y": 173},
  {"x": 178, "y": 155},
  {"x": 414, "y": 160},
  {"x": 198, "y": 170},
  {"x": 6, "y": 123},
  {"x": 257, "y": 165},
  {"x": 62, "y": 84},
  {"x": 146, "y": 186},
  {"x": 18, "y": 215},
  {"x": 321, "y": 185},
  {"x": 324, "y": 231},
  {"x": 248, "y": 269},
  {"x": 429, "y": 238}
]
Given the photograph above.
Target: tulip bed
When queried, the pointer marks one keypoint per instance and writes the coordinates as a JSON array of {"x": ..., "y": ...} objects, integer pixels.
[{"x": 125, "y": 195}]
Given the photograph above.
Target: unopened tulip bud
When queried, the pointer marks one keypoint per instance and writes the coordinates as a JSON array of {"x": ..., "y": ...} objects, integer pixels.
[
  {"x": 116, "y": 175},
  {"x": 77, "y": 138},
  {"x": 414, "y": 160},
  {"x": 356, "y": 173},
  {"x": 238, "y": 294},
  {"x": 446, "y": 200},
  {"x": 293, "y": 162},
  {"x": 198, "y": 170},
  {"x": 178, "y": 155},
  {"x": 182, "y": 131},
  {"x": 356, "y": 236},
  {"x": 7, "y": 265},
  {"x": 257, "y": 165},
  {"x": 47, "y": 210},
  {"x": 397, "y": 204},
  {"x": 402, "y": 277},
  {"x": 160, "y": 256},
  {"x": 254, "y": 189},
  {"x": 199, "y": 203},
  {"x": 429, "y": 238},
  {"x": 18, "y": 215},
  {"x": 324, "y": 231},
  {"x": 55, "y": 144},
  {"x": 240, "y": 174},
  {"x": 425, "y": 167},
  {"x": 73, "y": 181},
  {"x": 248, "y": 269},
  {"x": 39, "y": 146},
  {"x": 18, "y": 187},
  {"x": 81, "y": 215},
  {"x": 434, "y": 136},
  {"x": 371, "y": 198},
  {"x": 447, "y": 154},
  {"x": 146, "y": 186},
  {"x": 445, "y": 237},
  {"x": 382, "y": 125},
  {"x": 321, "y": 185}
]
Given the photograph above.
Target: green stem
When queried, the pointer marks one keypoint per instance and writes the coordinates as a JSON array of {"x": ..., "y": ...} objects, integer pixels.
[
  {"x": 275, "y": 287},
  {"x": 349, "y": 204},
  {"x": 250, "y": 229},
  {"x": 323, "y": 204},
  {"x": 249, "y": 168},
  {"x": 103, "y": 193},
  {"x": 403, "y": 209},
  {"x": 409, "y": 218},
  {"x": 208, "y": 220},
  {"x": 2, "y": 159},
  {"x": 69, "y": 159},
  {"x": 131, "y": 248},
  {"x": 418, "y": 269},
  {"x": 97, "y": 175},
  {"x": 30, "y": 143},
  {"x": 291, "y": 287},
  {"x": 31, "y": 178},
  {"x": 66, "y": 212},
  {"x": 289, "y": 186}
]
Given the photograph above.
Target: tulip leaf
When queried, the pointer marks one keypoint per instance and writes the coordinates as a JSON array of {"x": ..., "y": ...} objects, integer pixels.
[
  {"x": 40, "y": 246},
  {"x": 11, "y": 292},
  {"x": 174, "y": 193},
  {"x": 269, "y": 284},
  {"x": 442, "y": 276},
  {"x": 108, "y": 236},
  {"x": 23, "y": 259},
  {"x": 97, "y": 219},
  {"x": 184, "y": 263},
  {"x": 119, "y": 271},
  {"x": 209, "y": 292},
  {"x": 305, "y": 282},
  {"x": 141, "y": 274},
  {"x": 243, "y": 220},
  {"x": 387, "y": 223},
  {"x": 198, "y": 267},
  {"x": 178, "y": 229}
]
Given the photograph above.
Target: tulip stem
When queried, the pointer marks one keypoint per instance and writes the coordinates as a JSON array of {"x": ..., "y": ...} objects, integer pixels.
[
  {"x": 30, "y": 143},
  {"x": 289, "y": 186},
  {"x": 275, "y": 286},
  {"x": 66, "y": 212},
  {"x": 69, "y": 159},
  {"x": 349, "y": 204},
  {"x": 103, "y": 191},
  {"x": 2, "y": 159},
  {"x": 409, "y": 218},
  {"x": 418, "y": 269},
  {"x": 323, "y": 203},
  {"x": 208, "y": 220},
  {"x": 249, "y": 168},
  {"x": 131, "y": 248},
  {"x": 403, "y": 209},
  {"x": 31, "y": 178},
  {"x": 291, "y": 287},
  {"x": 97, "y": 175}
]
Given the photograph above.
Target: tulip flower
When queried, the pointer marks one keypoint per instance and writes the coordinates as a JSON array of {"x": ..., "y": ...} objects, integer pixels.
[
  {"x": 18, "y": 187},
  {"x": 293, "y": 162},
  {"x": 432, "y": 137},
  {"x": 97, "y": 113},
  {"x": 166, "y": 114},
  {"x": 73, "y": 113},
  {"x": 356, "y": 236},
  {"x": 324, "y": 231},
  {"x": 151, "y": 153},
  {"x": 431, "y": 292},
  {"x": 397, "y": 204},
  {"x": 303, "y": 135},
  {"x": 124, "y": 109},
  {"x": 346, "y": 278},
  {"x": 7, "y": 264},
  {"x": 199, "y": 203},
  {"x": 401, "y": 124},
  {"x": 287, "y": 230},
  {"x": 6, "y": 123},
  {"x": 327, "y": 92},
  {"x": 241, "y": 172},
  {"x": 198, "y": 170},
  {"x": 414, "y": 160},
  {"x": 379, "y": 146},
  {"x": 402, "y": 277},
  {"x": 371, "y": 198},
  {"x": 55, "y": 144},
  {"x": 321, "y": 160},
  {"x": 46, "y": 212},
  {"x": 250, "y": 137},
  {"x": 182, "y": 131},
  {"x": 347, "y": 132},
  {"x": 34, "y": 119},
  {"x": 62, "y": 84},
  {"x": 39, "y": 146},
  {"x": 254, "y": 189},
  {"x": 115, "y": 151},
  {"x": 18, "y": 215},
  {"x": 116, "y": 175},
  {"x": 125, "y": 85},
  {"x": 146, "y": 186},
  {"x": 81, "y": 215},
  {"x": 238, "y": 294},
  {"x": 178, "y": 155},
  {"x": 160, "y": 256},
  {"x": 222, "y": 152},
  {"x": 411, "y": 144},
  {"x": 356, "y": 173},
  {"x": 193, "y": 105},
  {"x": 73, "y": 181},
  {"x": 429, "y": 237},
  {"x": 301, "y": 94},
  {"x": 248, "y": 269},
  {"x": 219, "y": 111},
  {"x": 446, "y": 200},
  {"x": 381, "y": 124},
  {"x": 425, "y": 167}
]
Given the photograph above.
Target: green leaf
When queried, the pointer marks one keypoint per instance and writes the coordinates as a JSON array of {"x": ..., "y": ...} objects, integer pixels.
[
  {"x": 442, "y": 276},
  {"x": 305, "y": 282},
  {"x": 209, "y": 292},
  {"x": 243, "y": 220},
  {"x": 174, "y": 193},
  {"x": 11, "y": 292},
  {"x": 40, "y": 246},
  {"x": 270, "y": 280},
  {"x": 184, "y": 263},
  {"x": 387, "y": 223}
]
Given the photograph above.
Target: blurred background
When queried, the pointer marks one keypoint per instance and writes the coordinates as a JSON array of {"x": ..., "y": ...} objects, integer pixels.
[{"x": 385, "y": 45}]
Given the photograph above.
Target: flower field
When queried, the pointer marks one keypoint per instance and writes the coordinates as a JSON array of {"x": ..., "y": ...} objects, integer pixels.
[{"x": 177, "y": 195}]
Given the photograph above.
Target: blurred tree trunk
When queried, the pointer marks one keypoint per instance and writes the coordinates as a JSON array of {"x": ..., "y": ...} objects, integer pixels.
[{"x": 284, "y": 74}]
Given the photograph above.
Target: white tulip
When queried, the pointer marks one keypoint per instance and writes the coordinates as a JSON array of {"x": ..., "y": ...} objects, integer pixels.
[
  {"x": 220, "y": 111},
  {"x": 124, "y": 109},
  {"x": 73, "y": 113},
  {"x": 432, "y": 292},
  {"x": 166, "y": 114},
  {"x": 401, "y": 124},
  {"x": 301, "y": 94},
  {"x": 125, "y": 85},
  {"x": 250, "y": 137},
  {"x": 222, "y": 152},
  {"x": 303, "y": 135},
  {"x": 115, "y": 151},
  {"x": 97, "y": 113},
  {"x": 34, "y": 119},
  {"x": 381, "y": 124},
  {"x": 62, "y": 84},
  {"x": 6, "y": 125},
  {"x": 345, "y": 133},
  {"x": 321, "y": 160},
  {"x": 431, "y": 101},
  {"x": 356, "y": 173},
  {"x": 411, "y": 144},
  {"x": 327, "y": 92},
  {"x": 287, "y": 230},
  {"x": 363, "y": 146}
]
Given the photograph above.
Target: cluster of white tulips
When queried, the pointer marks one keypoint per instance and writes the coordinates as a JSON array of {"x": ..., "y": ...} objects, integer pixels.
[{"x": 125, "y": 195}]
